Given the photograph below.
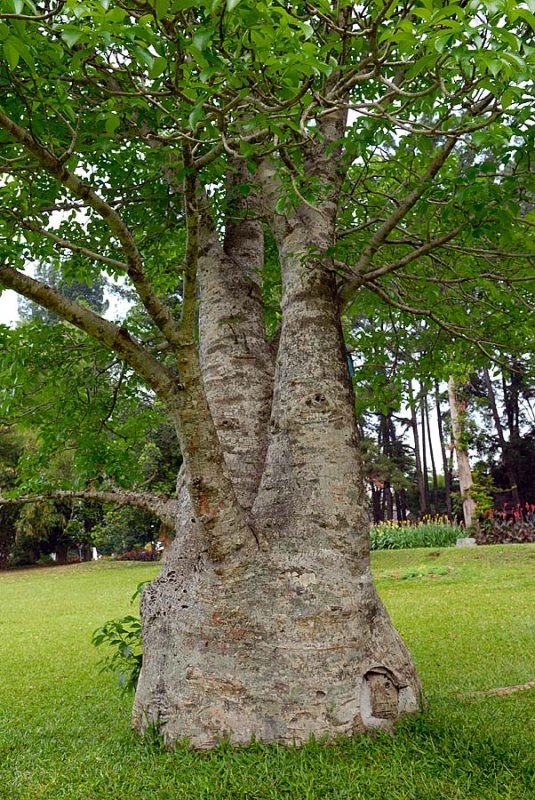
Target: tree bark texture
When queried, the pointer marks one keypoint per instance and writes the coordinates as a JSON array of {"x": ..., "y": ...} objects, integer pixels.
[
  {"x": 457, "y": 411},
  {"x": 282, "y": 635}
]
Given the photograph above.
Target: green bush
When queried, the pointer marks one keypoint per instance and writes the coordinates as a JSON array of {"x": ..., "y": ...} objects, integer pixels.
[{"x": 429, "y": 533}]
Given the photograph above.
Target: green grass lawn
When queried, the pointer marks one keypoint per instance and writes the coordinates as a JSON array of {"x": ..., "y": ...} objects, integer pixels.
[{"x": 468, "y": 616}]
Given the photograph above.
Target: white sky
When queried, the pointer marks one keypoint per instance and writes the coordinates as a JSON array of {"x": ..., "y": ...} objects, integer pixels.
[{"x": 8, "y": 308}]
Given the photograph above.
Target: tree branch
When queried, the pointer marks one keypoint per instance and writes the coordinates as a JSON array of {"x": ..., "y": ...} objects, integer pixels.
[
  {"x": 66, "y": 244},
  {"x": 433, "y": 244},
  {"x": 158, "y": 312},
  {"x": 405, "y": 205},
  {"x": 157, "y": 376},
  {"x": 165, "y": 508},
  {"x": 454, "y": 330},
  {"x": 36, "y": 17}
]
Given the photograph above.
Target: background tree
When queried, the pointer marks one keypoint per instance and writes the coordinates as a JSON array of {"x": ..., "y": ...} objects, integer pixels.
[{"x": 10, "y": 451}]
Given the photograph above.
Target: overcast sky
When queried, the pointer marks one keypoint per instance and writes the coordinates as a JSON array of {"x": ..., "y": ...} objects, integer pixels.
[{"x": 8, "y": 308}]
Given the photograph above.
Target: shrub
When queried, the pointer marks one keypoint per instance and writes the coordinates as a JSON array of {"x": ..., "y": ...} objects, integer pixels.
[
  {"x": 510, "y": 525},
  {"x": 123, "y": 636},
  {"x": 430, "y": 532},
  {"x": 139, "y": 555},
  {"x": 45, "y": 561}
]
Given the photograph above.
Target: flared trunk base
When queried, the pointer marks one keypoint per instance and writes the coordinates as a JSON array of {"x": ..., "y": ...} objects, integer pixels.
[{"x": 269, "y": 648}]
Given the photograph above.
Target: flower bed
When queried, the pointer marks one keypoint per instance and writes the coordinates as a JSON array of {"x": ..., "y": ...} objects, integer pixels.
[{"x": 510, "y": 525}]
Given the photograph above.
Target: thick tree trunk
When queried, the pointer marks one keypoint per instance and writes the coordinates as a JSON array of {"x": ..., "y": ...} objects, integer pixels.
[
  {"x": 284, "y": 637},
  {"x": 188, "y": 610},
  {"x": 458, "y": 410}
]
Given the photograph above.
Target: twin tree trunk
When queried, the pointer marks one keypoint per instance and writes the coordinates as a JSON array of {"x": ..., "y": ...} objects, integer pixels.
[{"x": 281, "y": 634}]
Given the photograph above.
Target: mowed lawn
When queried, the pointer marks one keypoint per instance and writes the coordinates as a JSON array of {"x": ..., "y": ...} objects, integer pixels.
[{"x": 468, "y": 616}]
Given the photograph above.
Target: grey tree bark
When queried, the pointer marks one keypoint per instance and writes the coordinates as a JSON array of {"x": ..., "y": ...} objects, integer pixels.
[
  {"x": 264, "y": 621},
  {"x": 282, "y": 636}
]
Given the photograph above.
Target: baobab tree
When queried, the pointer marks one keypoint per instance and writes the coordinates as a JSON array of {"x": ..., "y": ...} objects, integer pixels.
[{"x": 196, "y": 148}]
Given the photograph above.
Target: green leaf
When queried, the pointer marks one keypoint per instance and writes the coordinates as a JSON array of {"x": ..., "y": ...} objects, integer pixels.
[
  {"x": 71, "y": 35},
  {"x": 231, "y": 4},
  {"x": 280, "y": 205},
  {"x": 201, "y": 39},
  {"x": 159, "y": 67},
  {"x": 508, "y": 98},
  {"x": 307, "y": 29},
  {"x": 207, "y": 73},
  {"x": 195, "y": 116},
  {"x": 495, "y": 67},
  {"x": 112, "y": 123},
  {"x": 11, "y": 53},
  {"x": 162, "y": 7},
  {"x": 182, "y": 5},
  {"x": 441, "y": 42},
  {"x": 143, "y": 56}
]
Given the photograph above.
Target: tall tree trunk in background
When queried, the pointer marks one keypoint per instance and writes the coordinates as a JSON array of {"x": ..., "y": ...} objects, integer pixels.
[
  {"x": 458, "y": 412},
  {"x": 422, "y": 497},
  {"x": 511, "y": 397},
  {"x": 445, "y": 461},
  {"x": 394, "y": 452},
  {"x": 386, "y": 445},
  {"x": 511, "y": 477},
  {"x": 376, "y": 503},
  {"x": 283, "y": 636},
  {"x": 424, "y": 449},
  {"x": 432, "y": 455}
]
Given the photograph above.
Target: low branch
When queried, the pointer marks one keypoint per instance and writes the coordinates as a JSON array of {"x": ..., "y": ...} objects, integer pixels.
[
  {"x": 164, "y": 508},
  {"x": 116, "y": 338}
]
